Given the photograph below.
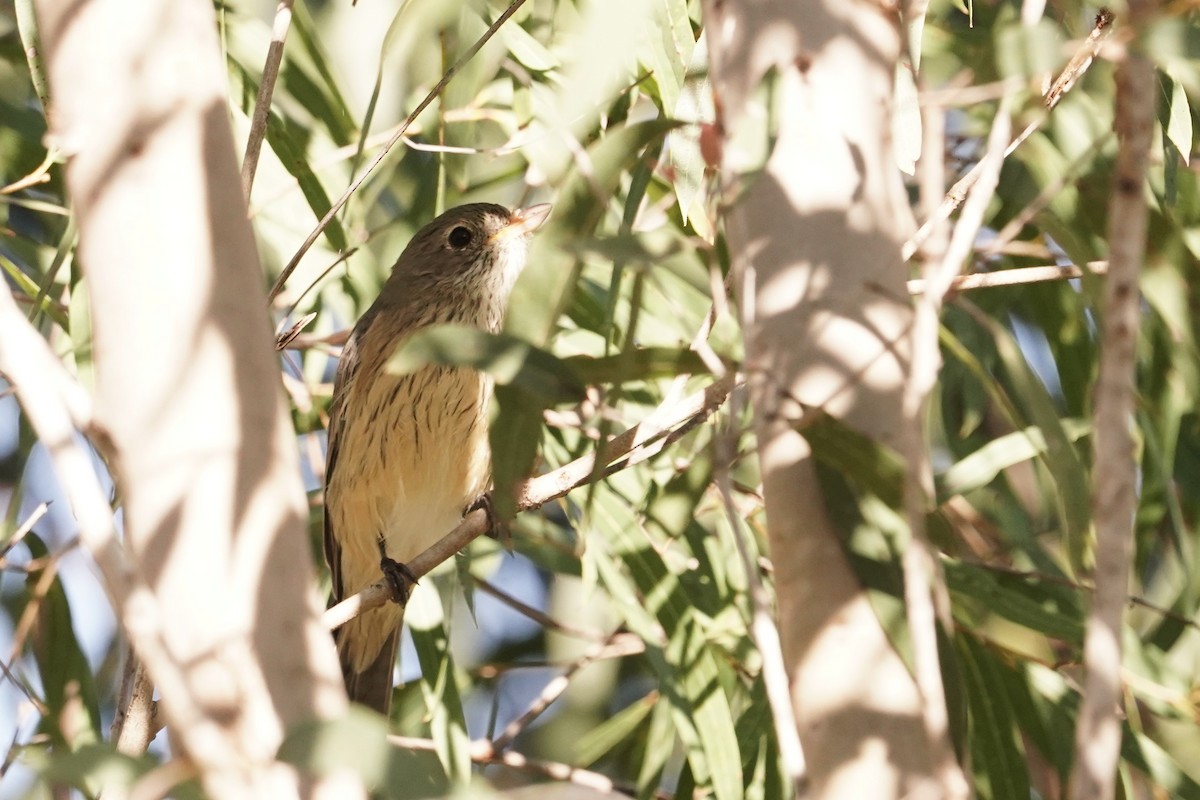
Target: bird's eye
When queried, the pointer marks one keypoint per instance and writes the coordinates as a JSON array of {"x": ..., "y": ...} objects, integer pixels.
[{"x": 460, "y": 237}]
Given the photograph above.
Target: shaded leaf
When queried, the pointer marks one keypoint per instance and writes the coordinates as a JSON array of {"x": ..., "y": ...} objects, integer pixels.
[
  {"x": 357, "y": 741},
  {"x": 511, "y": 361}
]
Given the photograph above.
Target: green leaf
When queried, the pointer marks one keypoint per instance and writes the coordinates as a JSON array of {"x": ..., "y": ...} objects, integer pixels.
[
  {"x": 531, "y": 53},
  {"x": 1026, "y": 50},
  {"x": 293, "y": 158},
  {"x": 1148, "y": 756},
  {"x": 686, "y": 667},
  {"x": 862, "y": 483},
  {"x": 28, "y": 287},
  {"x": 661, "y": 743},
  {"x": 1060, "y": 457},
  {"x": 997, "y": 756},
  {"x": 982, "y": 466},
  {"x": 637, "y": 364},
  {"x": 1032, "y": 722},
  {"x": 696, "y": 110},
  {"x": 696, "y": 692},
  {"x": 67, "y": 678},
  {"x": 439, "y": 683},
  {"x": 668, "y": 49},
  {"x": 514, "y": 435},
  {"x": 322, "y": 98},
  {"x": 616, "y": 731},
  {"x": 1039, "y": 605},
  {"x": 508, "y": 359},
  {"x": 1178, "y": 123},
  {"x": 874, "y": 467},
  {"x": 357, "y": 741},
  {"x": 545, "y": 288},
  {"x": 95, "y": 768}
]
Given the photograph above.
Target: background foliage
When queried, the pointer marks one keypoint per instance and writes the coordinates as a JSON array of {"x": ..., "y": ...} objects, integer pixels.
[{"x": 594, "y": 106}]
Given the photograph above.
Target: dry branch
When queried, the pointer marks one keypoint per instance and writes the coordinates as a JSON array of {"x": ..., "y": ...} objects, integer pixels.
[
  {"x": 1074, "y": 70},
  {"x": 1115, "y": 475},
  {"x": 262, "y": 104}
]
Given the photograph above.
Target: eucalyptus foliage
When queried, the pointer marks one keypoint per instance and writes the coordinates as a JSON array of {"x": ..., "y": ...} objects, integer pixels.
[{"x": 602, "y": 108}]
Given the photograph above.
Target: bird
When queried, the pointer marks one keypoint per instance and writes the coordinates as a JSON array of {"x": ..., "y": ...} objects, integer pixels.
[{"x": 408, "y": 455}]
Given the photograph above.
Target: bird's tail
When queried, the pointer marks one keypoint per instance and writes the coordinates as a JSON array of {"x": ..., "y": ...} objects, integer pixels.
[{"x": 372, "y": 687}]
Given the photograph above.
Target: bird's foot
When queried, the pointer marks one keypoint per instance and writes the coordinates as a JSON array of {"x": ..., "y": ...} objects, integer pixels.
[
  {"x": 399, "y": 579},
  {"x": 497, "y": 528}
]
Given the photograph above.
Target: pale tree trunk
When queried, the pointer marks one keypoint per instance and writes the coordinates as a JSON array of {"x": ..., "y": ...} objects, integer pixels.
[
  {"x": 223, "y": 608},
  {"x": 815, "y": 241}
]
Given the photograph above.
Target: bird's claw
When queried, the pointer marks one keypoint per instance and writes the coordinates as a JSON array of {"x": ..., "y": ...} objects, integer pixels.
[
  {"x": 497, "y": 528},
  {"x": 399, "y": 579}
]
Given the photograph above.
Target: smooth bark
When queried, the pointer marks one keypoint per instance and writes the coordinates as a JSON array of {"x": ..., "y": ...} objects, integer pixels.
[
  {"x": 816, "y": 240},
  {"x": 224, "y": 611},
  {"x": 1115, "y": 476}
]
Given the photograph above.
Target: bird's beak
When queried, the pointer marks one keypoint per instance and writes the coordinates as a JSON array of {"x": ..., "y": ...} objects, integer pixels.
[{"x": 524, "y": 221}]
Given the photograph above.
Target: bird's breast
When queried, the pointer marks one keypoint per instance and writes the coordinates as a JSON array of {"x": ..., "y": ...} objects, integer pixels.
[{"x": 415, "y": 453}]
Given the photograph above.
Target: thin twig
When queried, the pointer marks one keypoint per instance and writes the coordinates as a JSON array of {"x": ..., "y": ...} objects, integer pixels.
[
  {"x": 55, "y": 405},
  {"x": 40, "y": 175},
  {"x": 763, "y": 629},
  {"x": 540, "y": 617},
  {"x": 1015, "y": 277},
  {"x": 926, "y": 599},
  {"x": 1075, "y": 69},
  {"x": 357, "y": 182},
  {"x": 34, "y": 517},
  {"x": 1114, "y": 478},
  {"x": 1014, "y": 226},
  {"x": 29, "y": 616},
  {"x": 550, "y": 692},
  {"x": 544, "y": 488},
  {"x": 482, "y": 753},
  {"x": 266, "y": 88},
  {"x": 1082, "y": 59},
  {"x": 159, "y": 781},
  {"x": 296, "y": 303},
  {"x": 620, "y": 645}
]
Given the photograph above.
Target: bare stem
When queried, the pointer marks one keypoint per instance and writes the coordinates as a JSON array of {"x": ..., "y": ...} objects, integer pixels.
[
  {"x": 262, "y": 104},
  {"x": 1114, "y": 498},
  {"x": 1070, "y": 74}
]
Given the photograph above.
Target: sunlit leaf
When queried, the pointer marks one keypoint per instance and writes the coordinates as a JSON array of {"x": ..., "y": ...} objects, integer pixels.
[
  {"x": 292, "y": 157},
  {"x": 357, "y": 741},
  {"x": 1178, "y": 125},
  {"x": 996, "y": 754},
  {"x": 439, "y": 683},
  {"x": 67, "y": 679}
]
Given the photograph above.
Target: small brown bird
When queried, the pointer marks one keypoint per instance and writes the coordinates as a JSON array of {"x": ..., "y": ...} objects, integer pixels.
[{"x": 409, "y": 453}]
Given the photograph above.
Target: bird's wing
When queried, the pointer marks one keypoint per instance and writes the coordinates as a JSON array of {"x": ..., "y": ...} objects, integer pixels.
[{"x": 347, "y": 370}]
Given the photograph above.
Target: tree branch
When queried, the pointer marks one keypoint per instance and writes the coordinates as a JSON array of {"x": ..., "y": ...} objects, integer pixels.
[
  {"x": 262, "y": 103},
  {"x": 482, "y": 753},
  {"x": 187, "y": 394},
  {"x": 1014, "y": 277},
  {"x": 538, "y": 491},
  {"x": 1074, "y": 70},
  {"x": 1115, "y": 474}
]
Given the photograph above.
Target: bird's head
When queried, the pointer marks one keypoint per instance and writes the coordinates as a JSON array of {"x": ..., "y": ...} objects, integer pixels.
[{"x": 477, "y": 249}]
